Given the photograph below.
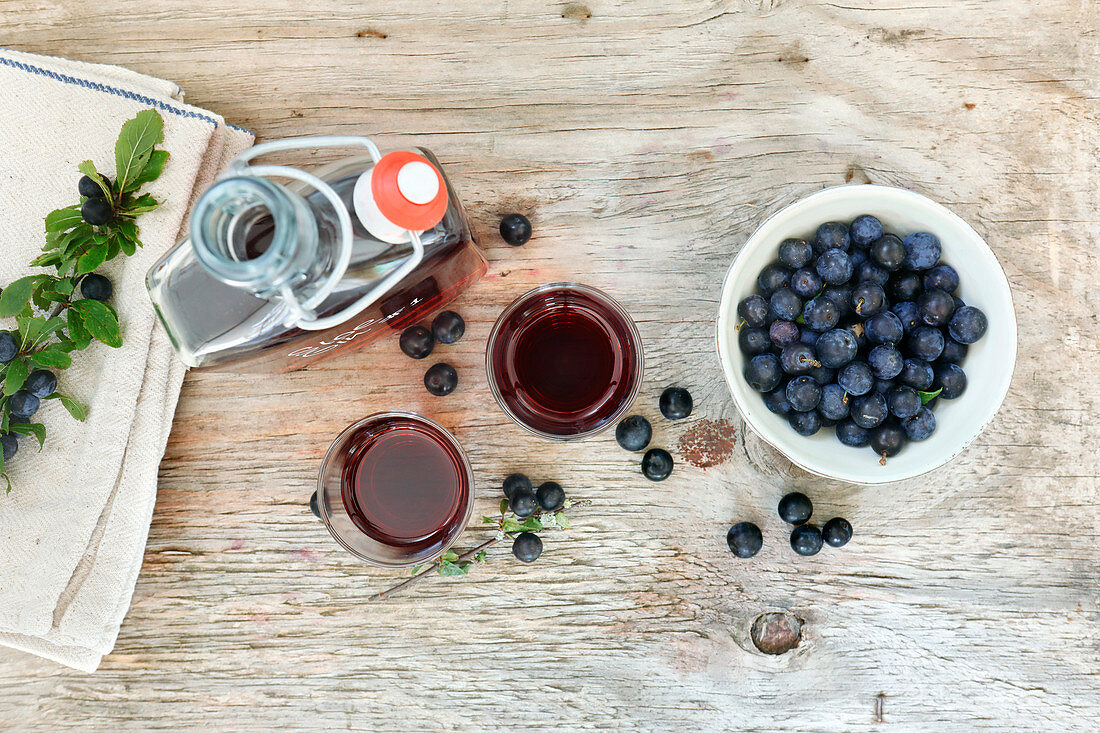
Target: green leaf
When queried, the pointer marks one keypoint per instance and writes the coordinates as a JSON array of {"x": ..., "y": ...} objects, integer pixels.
[
  {"x": 29, "y": 328},
  {"x": 91, "y": 259},
  {"x": 152, "y": 169},
  {"x": 510, "y": 525},
  {"x": 17, "y": 295},
  {"x": 40, "y": 296},
  {"x": 448, "y": 556},
  {"x": 15, "y": 376},
  {"x": 5, "y": 475},
  {"x": 446, "y": 567},
  {"x": 64, "y": 286},
  {"x": 480, "y": 557},
  {"x": 100, "y": 321},
  {"x": 488, "y": 520},
  {"x": 64, "y": 343},
  {"x": 49, "y": 259},
  {"x": 78, "y": 334},
  {"x": 36, "y": 429},
  {"x": 926, "y": 397},
  {"x": 135, "y": 146},
  {"x": 52, "y": 356},
  {"x": 77, "y": 239},
  {"x": 128, "y": 228},
  {"x": 562, "y": 520},
  {"x": 503, "y": 505},
  {"x": 75, "y": 409},
  {"x": 416, "y": 570},
  {"x": 531, "y": 524},
  {"x": 60, "y": 220},
  {"x": 139, "y": 204},
  {"x": 88, "y": 169}
]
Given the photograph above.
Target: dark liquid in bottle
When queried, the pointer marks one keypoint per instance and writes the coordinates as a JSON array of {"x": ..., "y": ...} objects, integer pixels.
[
  {"x": 405, "y": 485},
  {"x": 564, "y": 362}
]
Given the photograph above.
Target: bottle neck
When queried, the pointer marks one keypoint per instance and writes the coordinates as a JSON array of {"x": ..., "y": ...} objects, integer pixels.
[{"x": 254, "y": 234}]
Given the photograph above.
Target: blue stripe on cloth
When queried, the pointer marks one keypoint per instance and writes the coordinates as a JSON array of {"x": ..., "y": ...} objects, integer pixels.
[{"x": 96, "y": 86}]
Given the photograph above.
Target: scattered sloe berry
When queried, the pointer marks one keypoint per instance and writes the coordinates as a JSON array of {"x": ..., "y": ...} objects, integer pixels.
[
  {"x": 523, "y": 502},
  {"x": 657, "y": 464},
  {"x": 550, "y": 496},
  {"x": 633, "y": 433},
  {"x": 744, "y": 539},
  {"x": 441, "y": 379},
  {"x": 836, "y": 532},
  {"x": 676, "y": 403},
  {"x": 516, "y": 481},
  {"x": 806, "y": 539},
  {"x": 448, "y": 327},
  {"x": 795, "y": 508},
  {"x": 416, "y": 342},
  {"x": 527, "y": 546},
  {"x": 515, "y": 229}
]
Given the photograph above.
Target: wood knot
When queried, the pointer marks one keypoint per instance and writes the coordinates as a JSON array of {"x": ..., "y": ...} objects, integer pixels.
[
  {"x": 576, "y": 11},
  {"x": 856, "y": 174},
  {"x": 371, "y": 33},
  {"x": 776, "y": 633}
]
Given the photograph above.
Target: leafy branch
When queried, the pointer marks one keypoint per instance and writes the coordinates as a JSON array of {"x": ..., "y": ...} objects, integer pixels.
[
  {"x": 52, "y": 319},
  {"x": 507, "y": 525}
]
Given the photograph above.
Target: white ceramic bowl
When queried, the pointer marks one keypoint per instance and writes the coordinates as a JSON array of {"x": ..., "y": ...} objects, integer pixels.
[{"x": 988, "y": 364}]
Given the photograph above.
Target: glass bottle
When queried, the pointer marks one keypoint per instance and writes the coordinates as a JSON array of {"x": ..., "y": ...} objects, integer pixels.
[{"x": 275, "y": 276}]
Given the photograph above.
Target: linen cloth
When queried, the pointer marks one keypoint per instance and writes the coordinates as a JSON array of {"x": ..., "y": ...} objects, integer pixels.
[{"x": 74, "y": 526}]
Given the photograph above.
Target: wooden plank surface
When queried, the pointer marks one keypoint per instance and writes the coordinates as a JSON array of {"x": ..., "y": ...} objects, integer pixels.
[{"x": 645, "y": 140}]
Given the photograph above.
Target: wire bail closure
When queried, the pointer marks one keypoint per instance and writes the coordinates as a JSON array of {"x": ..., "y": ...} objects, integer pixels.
[{"x": 305, "y": 311}]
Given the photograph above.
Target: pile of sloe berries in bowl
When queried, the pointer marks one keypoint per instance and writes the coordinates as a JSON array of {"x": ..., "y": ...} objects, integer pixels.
[{"x": 867, "y": 333}]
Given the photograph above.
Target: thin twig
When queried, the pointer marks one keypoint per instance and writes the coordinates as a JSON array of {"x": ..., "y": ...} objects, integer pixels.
[{"x": 430, "y": 570}]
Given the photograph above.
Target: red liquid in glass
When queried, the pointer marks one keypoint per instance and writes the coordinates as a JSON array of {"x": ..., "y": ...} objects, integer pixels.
[
  {"x": 404, "y": 485},
  {"x": 564, "y": 362}
]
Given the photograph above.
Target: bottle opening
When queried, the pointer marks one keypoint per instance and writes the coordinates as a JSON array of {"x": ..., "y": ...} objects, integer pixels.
[
  {"x": 247, "y": 232},
  {"x": 252, "y": 235}
]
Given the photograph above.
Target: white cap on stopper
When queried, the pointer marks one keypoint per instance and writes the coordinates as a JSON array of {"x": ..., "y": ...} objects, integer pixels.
[{"x": 418, "y": 182}]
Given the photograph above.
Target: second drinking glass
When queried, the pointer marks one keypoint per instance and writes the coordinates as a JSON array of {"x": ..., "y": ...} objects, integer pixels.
[{"x": 564, "y": 361}]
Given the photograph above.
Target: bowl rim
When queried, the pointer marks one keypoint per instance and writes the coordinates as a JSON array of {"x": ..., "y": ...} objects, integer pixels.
[{"x": 726, "y": 306}]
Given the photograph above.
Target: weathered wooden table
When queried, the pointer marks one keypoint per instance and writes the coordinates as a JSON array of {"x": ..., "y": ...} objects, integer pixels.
[{"x": 645, "y": 140}]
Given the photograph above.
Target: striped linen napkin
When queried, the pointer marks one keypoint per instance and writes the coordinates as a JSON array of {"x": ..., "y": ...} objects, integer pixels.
[{"x": 73, "y": 528}]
